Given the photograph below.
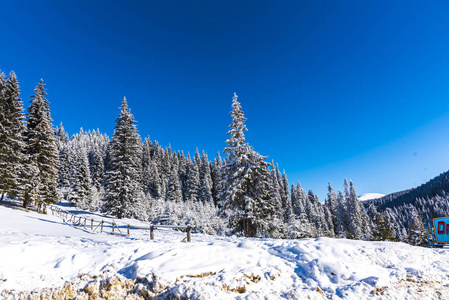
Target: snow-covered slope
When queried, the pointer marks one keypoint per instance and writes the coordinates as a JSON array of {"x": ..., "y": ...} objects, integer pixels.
[
  {"x": 370, "y": 196},
  {"x": 39, "y": 251}
]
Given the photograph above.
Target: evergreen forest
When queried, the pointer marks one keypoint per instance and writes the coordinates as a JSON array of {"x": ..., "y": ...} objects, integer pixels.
[{"x": 238, "y": 194}]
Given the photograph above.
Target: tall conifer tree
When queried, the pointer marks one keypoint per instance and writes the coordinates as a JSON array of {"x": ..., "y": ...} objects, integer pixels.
[
  {"x": 245, "y": 196},
  {"x": 11, "y": 137},
  {"x": 41, "y": 149},
  {"x": 124, "y": 188}
]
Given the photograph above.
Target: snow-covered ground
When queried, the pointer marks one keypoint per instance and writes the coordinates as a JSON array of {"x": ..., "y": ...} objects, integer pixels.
[
  {"x": 42, "y": 251},
  {"x": 370, "y": 196}
]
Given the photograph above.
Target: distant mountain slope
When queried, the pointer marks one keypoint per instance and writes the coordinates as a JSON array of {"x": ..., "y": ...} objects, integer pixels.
[
  {"x": 370, "y": 196},
  {"x": 438, "y": 186},
  {"x": 405, "y": 211}
]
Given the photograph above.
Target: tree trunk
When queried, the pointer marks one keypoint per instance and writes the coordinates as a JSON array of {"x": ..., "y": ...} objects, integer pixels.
[
  {"x": 25, "y": 205},
  {"x": 3, "y": 195}
]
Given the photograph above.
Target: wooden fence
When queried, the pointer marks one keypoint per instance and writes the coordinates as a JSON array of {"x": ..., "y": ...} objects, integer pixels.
[{"x": 113, "y": 228}]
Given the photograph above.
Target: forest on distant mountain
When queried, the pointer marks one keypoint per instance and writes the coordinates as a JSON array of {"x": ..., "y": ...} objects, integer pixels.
[{"x": 240, "y": 194}]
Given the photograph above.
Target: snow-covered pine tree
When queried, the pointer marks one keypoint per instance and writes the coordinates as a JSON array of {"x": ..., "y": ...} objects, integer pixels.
[
  {"x": 62, "y": 137},
  {"x": 82, "y": 189},
  {"x": 416, "y": 230},
  {"x": 279, "y": 227},
  {"x": 123, "y": 179},
  {"x": 164, "y": 163},
  {"x": 173, "y": 198},
  {"x": 150, "y": 177},
  {"x": 62, "y": 141},
  {"x": 315, "y": 213},
  {"x": 64, "y": 167},
  {"x": 193, "y": 182},
  {"x": 174, "y": 187},
  {"x": 329, "y": 224},
  {"x": 216, "y": 177},
  {"x": 11, "y": 137},
  {"x": 298, "y": 225},
  {"x": 96, "y": 165},
  {"x": 336, "y": 211},
  {"x": 359, "y": 226},
  {"x": 276, "y": 182},
  {"x": 276, "y": 192},
  {"x": 245, "y": 196},
  {"x": 286, "y": 199},
  {"x": 205, "y": 188},
  {"x": 341, "y": 229},
  {"x": 182, "y": 173},
  {"x": 298, "y": 197},
  {"x": 380, "y": 229},
  {"x": 41, "y": 148},
  {"x": 3, "y": 146}
]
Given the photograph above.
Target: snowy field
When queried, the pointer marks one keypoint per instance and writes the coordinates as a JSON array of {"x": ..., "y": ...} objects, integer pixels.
[{"x": 44, "y": 251}]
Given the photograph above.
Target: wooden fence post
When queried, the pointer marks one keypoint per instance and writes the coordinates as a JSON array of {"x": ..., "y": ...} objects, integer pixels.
[
  {"x": 102, "y": 225},
  {"x": 189, "y": 238},
  {"x": 113, "y": 226},
  {"x": 151, "y": 232},
  {"x": 128, "y": 229},
  {"x": 91, "y": 224}
]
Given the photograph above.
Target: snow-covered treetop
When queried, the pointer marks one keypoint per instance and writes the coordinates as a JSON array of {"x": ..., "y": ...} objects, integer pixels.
[{"x": 238, "y": 128}]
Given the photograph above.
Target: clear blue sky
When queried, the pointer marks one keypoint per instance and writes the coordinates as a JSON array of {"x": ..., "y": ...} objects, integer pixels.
[{"x": 331, "y": 89}]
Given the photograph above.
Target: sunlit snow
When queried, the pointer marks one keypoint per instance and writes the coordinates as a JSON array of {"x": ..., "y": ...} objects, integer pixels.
[{"x": 38, "y": 251}]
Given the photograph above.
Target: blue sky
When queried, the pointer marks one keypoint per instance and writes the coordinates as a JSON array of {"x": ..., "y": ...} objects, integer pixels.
[{"x": 331, "y": 89}]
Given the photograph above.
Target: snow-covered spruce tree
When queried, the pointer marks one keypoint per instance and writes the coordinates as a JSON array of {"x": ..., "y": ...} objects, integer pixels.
[
  {"x": 336, "y": 210},
  {"x": 330, "y": 230},
  {"x": 64, "y": 168},
  {"x": 216, "y": 177},
  {"x": 381, "y": 230},
  {"x": 12, "y": 127},
  {"x": 359, "y": 226},
  {"x": 205, "y": 188},
  {"x": 182, "y": 173},
  {"x": 286, "y": 198},
  {"x": 82, "y": 189},
  {"x": 276, "y": 192},
  {"x": 245, "y": 197},
  {"x": 193, "y": 182},
  {"x": 341, "y": 230},
  {"x": 416, "y": 230},
  {"x": 298, "y": 200},
  {"x": 173, "y": 198},
  {"x": 96, "y": 165},
  {"x": 123, "y": 179},
  {"x": 150, "y": 178},
  {"x": 276, "y": 184},
  {"x": 62, "y": 137},
  {"x": 279, "y": 229},
  {"x": 299, "y": 225},
  {"x": 42, "y": 150},
  {"x": 315, "y": 214},
  {"x": 174, "y": 187},
  {"x": 3, "y": 137}
]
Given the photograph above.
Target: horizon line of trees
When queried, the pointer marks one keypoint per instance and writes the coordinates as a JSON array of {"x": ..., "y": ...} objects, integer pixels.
[{"x": 124, "y": 176}]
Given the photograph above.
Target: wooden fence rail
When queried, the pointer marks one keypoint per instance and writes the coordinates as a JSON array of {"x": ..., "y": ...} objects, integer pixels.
[{"x": 102, "y": 224}]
